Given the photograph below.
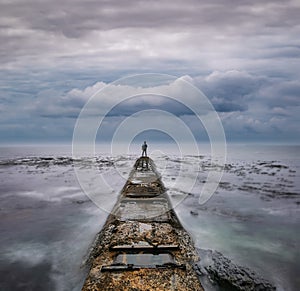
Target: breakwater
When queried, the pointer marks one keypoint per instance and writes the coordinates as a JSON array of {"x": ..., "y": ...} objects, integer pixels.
[{"x": 142, "y": 245}]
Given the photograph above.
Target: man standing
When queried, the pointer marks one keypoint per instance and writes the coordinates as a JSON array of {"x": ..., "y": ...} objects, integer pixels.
[{"x": 144, "y": 149}]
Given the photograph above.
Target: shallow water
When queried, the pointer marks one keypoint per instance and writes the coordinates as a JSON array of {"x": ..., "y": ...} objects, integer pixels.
[{"x": 48, "y": 223}]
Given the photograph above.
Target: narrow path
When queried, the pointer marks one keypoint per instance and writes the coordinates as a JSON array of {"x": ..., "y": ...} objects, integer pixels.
[{"x": 142, "y": 245}]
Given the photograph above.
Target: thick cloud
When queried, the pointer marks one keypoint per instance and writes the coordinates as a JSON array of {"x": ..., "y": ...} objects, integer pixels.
[
  {"x": 230, "y": 90},
  {"x": 244, "y": 55},
  {"x": 251, "y": 107},
  {"x": 283, "y": 94},
  {"x": 121, "y": 34},
  {"x": 53, "y": 105}
]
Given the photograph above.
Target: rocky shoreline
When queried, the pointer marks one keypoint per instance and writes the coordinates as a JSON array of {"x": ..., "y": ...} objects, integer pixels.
[{"x": 226, "y": 275}]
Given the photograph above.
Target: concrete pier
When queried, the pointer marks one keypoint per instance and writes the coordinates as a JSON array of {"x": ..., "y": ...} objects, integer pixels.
[{"x": 142, "y": 245}]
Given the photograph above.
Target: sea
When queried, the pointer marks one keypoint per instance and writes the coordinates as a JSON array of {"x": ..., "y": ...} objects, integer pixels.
[{"x": 52, "y": 206}]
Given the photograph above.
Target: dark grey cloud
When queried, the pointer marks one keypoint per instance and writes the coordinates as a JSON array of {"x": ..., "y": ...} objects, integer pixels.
[
  {"x": 228, "y": 106},
  {"x": 252, "y": 107},
  {"x": 136, "y": 105},
  {"x": 81, "y": 17},
  {"x": 230, "y": 91},
  {"x": 282, "y": 94},
  {"x": 237, "y": 90},
  {"x": 98, "y": 32},
  {"x": 244, "y": 55}
]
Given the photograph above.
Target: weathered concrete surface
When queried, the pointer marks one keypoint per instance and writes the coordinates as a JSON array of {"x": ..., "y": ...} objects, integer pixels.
[
  {"x": 143, "y": 209},
  {"x": 143, "y": 246},
  {"x": 151, "y": 234},
  {"x": 144, "y": 279}
]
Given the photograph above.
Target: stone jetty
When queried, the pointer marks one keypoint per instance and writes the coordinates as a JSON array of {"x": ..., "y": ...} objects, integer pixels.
[{"x": 142, "y": 245}]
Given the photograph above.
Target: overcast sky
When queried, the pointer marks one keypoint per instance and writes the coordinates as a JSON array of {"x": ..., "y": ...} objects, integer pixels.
[{"x": 244, "y": 56}]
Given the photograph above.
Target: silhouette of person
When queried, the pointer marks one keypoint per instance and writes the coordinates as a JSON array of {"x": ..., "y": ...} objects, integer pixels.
[{"x": 144, "y": 149}]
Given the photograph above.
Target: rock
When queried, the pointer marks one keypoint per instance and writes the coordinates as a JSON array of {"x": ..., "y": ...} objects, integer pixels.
[{"x": 228, "y": 275}]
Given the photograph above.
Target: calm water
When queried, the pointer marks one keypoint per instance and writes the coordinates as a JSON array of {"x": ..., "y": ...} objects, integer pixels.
[{"x": 48, "y": 223}]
